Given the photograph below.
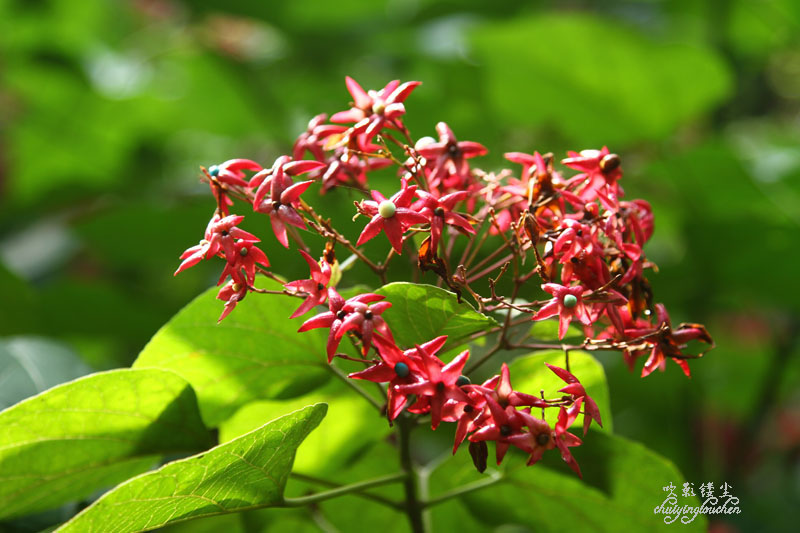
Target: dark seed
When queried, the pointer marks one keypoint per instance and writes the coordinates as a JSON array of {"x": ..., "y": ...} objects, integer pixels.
[
  {"x": 505, "y": 430},
  {"x": 368, "y": 314},
  {"x": 402, "y": 370},
  {"x": 439, "y": 211},
  {"x": 320, "y": 286},
  {"x": 243, "y": 252},
  {"x": 462, "y": 380},
  {"x": 340, "y": 315},
  {"x": 609, "y": 162},
  {"x": 542, "y": 439},
  {"x": 213, "y": 170}
]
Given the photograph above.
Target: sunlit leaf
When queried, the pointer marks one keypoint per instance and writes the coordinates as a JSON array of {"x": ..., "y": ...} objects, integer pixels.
[
  {"x": 69, "y": 441},
  {"x": 245, "y": 473}
]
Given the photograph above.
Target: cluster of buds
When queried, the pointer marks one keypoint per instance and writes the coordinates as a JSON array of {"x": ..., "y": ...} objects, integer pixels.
[{"x": 575, "y": 234}]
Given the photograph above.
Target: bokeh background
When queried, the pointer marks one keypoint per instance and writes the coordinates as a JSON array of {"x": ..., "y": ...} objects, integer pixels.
[{"x": 107, "y": 109}]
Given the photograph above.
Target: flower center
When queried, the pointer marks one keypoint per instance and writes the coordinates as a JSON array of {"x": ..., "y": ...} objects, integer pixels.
[
  {"x": 542, "y": 439},
  {"x": 439, "y": 211},
  {"x": 505, "y": 430},
  {"x": 387, "y": 209},
  {"x": 320, "y": 286},
  {"x": 243, "y": 252},
  {"x": 570, "y": 301}
]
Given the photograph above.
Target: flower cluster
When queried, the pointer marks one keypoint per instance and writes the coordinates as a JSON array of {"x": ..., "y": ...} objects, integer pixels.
[{"x": 572, "y": 241}]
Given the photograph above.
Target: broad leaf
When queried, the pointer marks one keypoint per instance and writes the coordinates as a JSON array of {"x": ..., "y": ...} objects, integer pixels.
[
  {"x": 529, "y": 374},
  {"x": 30, "y": 365},
  {"x": 254, "y": 353},
  {"x": 422, "y": 312},
  {"x": 622, "y": 484},
  {"x": 245, "y": 473},
  {"x": 69, "y": 441},
  {"x": 353, "y": 424}
]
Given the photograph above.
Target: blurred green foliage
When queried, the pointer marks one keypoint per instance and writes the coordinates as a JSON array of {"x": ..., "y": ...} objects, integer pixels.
[{"x": 108, "y": 108}]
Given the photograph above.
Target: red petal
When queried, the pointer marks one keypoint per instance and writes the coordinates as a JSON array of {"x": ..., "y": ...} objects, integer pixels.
[{"x": 360, "y": 96}]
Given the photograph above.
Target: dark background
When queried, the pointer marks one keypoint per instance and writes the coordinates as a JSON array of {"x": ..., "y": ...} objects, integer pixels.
[{"x": 107, "y": 109}]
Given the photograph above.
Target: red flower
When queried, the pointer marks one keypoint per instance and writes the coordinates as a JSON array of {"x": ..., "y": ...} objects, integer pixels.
[
  {"x": 283, "y": 197},
  {"x": 449, "y": 159},
  {"x": 353, "y": 314},
  {"x": 245, "y": 256},
  {"x": 437, "y": 383},
  {"x": 221, "y": 235},
  {"x": 393, "y": 216},
  {"x": 374, "y": 109},
  {"x": 598, "y": 180},
  {"x": 397, "y": 367},
  {"x": 668, "y": 342},
  {"x": 230, "y": 171},
  {"x": 567, "y": 303},
  {"x": 232, "y": 293},
  {"x": 316, "y": 288},
  {"x": 503, "y": 424},
  {"x": 313, "y": 138},
  {"x": 575, "y": 388},
  {"x": 439, "y": 211},
  {"x": 539, "y": 437}
]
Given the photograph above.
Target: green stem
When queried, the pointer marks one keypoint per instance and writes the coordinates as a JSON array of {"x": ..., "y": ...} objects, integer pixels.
[
  {"x": 345, "y": 489},
  {"x": 366, "y": 495},
  {"x": 466, "y": 489},
  {"x": 413, "y": 505}
]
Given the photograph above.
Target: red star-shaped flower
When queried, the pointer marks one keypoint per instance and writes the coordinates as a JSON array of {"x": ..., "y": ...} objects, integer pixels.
[
  {"x": 372, "y": 110},
  {"x": 284, "y": 194},
  {"x": 393, "y": 216},
  {"x": 567, "y": 303},
  {"x": 316, "y": 288},
  {"x": 437, "y": 382}
]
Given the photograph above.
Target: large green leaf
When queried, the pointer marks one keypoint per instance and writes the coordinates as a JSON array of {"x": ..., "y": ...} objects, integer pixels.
[
  {"x": 67, "y": 442},
  {"x": 30, "y": 365},
  {"x": 353, "y": 423},
  {"x": 594, "y": 79},
  {"x": 246, "y": 473},
  {"x": 622, "y": 484},
  {"x": 422, "y": 312},
  {"x": 529, "y": 374},
  {"x": 254, "y": 353}
]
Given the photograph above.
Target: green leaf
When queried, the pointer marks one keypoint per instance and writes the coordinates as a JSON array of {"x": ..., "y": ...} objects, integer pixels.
[
  {"x": 254, "y": 353},
  {"x": 622, "y": 484},
  {"x": 530, "y": 375},
  {"x": 422, "y": 312},
  {"x": 246, "y": 473},
  {"x": 69, "y": 441},
  {"x": 353, "y": 423},
  {"x": 30, "y": 365},
  {"x": 594, "y": 79}
]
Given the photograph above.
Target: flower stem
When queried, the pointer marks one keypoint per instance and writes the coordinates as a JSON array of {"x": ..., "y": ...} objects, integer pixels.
[
  {"x": 345, "y": 489},
  {"x": 472, "y": 487},
  {"x": 369, "y": 496},
  {"x": 413, "y": 505}
]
